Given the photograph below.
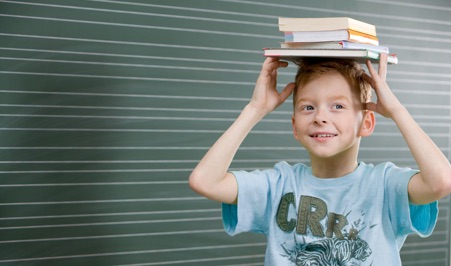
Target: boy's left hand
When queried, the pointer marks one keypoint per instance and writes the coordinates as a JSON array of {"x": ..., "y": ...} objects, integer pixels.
[{"x": 387, "y": 104}]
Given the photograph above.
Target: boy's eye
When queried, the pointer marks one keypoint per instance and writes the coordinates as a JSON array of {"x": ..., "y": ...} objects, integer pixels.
[
  {"x": 338, "y": 106},
  {"x": 307, "y": 108}
]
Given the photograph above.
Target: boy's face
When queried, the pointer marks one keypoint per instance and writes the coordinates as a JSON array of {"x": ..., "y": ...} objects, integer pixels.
[{"x": 328, "y": 117}]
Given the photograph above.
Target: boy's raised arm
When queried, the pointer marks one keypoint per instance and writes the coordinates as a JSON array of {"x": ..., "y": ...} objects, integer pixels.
[
  {"x": 434, "y": 180},
  {"x": 210, "y": 177}
]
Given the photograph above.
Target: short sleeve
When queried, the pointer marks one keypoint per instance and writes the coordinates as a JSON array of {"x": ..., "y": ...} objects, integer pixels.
[
  {"x": 254, "y": 203},
  {"x": 424, "y": 218},
  {"x": 407, "y": 218}
]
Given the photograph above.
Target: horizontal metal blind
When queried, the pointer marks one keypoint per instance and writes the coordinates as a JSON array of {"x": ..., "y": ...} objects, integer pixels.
[{"x": 106, "y": 107}]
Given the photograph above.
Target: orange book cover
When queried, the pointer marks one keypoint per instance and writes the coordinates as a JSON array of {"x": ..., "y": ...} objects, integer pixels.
[{"x": 356, "y": 36}]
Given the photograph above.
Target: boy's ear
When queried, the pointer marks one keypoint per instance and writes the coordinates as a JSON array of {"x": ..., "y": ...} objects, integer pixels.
[
  {"x": 368, "y": 124},
  {"x": 295, "y": 133}
]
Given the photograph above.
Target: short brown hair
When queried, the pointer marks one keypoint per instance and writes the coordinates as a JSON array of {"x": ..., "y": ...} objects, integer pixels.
[{"x": 312, "y": 68}]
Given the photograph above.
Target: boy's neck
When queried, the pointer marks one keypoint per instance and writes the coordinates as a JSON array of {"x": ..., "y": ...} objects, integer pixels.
[{"x": 332, "y": 167}]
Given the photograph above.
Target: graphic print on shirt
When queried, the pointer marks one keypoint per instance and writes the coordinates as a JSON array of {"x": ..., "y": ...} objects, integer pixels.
[
  {"x": 338, "y": 241},
  {"x": 328, "y": 252}
]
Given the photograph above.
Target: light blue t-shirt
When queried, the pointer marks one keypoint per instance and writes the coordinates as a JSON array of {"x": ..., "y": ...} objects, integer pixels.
[{"x": 359, "y": 219}]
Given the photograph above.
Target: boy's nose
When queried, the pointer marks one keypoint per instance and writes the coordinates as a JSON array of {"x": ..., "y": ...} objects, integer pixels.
[{"x": 320, "y": 117}]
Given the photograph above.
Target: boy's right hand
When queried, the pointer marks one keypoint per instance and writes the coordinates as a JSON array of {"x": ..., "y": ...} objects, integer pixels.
[{"x": 266, "y": 97}]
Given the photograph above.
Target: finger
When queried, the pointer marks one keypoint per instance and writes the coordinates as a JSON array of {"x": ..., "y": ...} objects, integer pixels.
[
  {"x": 267, "y": 71},
  {"x": 370, "y": 68},
  {"x": 370, "y": 106},
  {"x": 283, "y": 64},
  {"x": 273, "y": 80},
  {"x": 369, "y": 79},
  {"x": 374, "y": 75},
  {"x": 383, "y": 66},
  {"x": 276, "y": 60},
  {"x": 268, "y": 60},
  {"x": 269, "y": 64}
]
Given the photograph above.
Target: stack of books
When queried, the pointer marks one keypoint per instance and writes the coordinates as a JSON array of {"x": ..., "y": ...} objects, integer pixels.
[{"x": 340, "y": 37}]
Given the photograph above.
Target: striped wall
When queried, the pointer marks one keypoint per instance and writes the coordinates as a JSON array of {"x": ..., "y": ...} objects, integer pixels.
[{"x": 106, "y": 107}]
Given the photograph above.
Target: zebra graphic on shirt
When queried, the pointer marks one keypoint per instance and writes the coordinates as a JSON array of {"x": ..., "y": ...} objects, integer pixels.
[{"x": 329, "y": 252}]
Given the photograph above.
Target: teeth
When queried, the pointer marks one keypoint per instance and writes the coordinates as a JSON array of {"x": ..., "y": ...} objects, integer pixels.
[{"x": 324, "y": 136}]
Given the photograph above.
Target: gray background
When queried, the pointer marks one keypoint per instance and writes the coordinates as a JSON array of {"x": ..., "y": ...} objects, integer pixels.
[{"x": 106, "y": 106}]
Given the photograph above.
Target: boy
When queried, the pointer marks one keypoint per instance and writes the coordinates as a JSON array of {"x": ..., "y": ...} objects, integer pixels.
[{"x": 337, "y": 211}]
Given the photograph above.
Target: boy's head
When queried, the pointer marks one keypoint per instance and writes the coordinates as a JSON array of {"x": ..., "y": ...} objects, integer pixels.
[
  {"x": 351, "y": 71},
  {"x": 329, "y": 115}
]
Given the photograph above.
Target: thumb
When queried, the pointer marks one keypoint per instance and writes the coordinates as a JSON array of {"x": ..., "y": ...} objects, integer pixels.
[{"x": 286, "y": 92}]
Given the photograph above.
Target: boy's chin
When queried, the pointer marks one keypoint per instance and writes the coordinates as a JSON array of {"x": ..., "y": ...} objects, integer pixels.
[{"x": 329, "y": 154}]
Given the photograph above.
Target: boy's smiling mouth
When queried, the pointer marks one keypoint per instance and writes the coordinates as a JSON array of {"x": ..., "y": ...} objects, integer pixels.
[{"x": 323, "y": 135}]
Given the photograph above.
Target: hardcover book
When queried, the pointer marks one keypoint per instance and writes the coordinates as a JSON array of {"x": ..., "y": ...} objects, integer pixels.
[{"x": 295, "y": 54}]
